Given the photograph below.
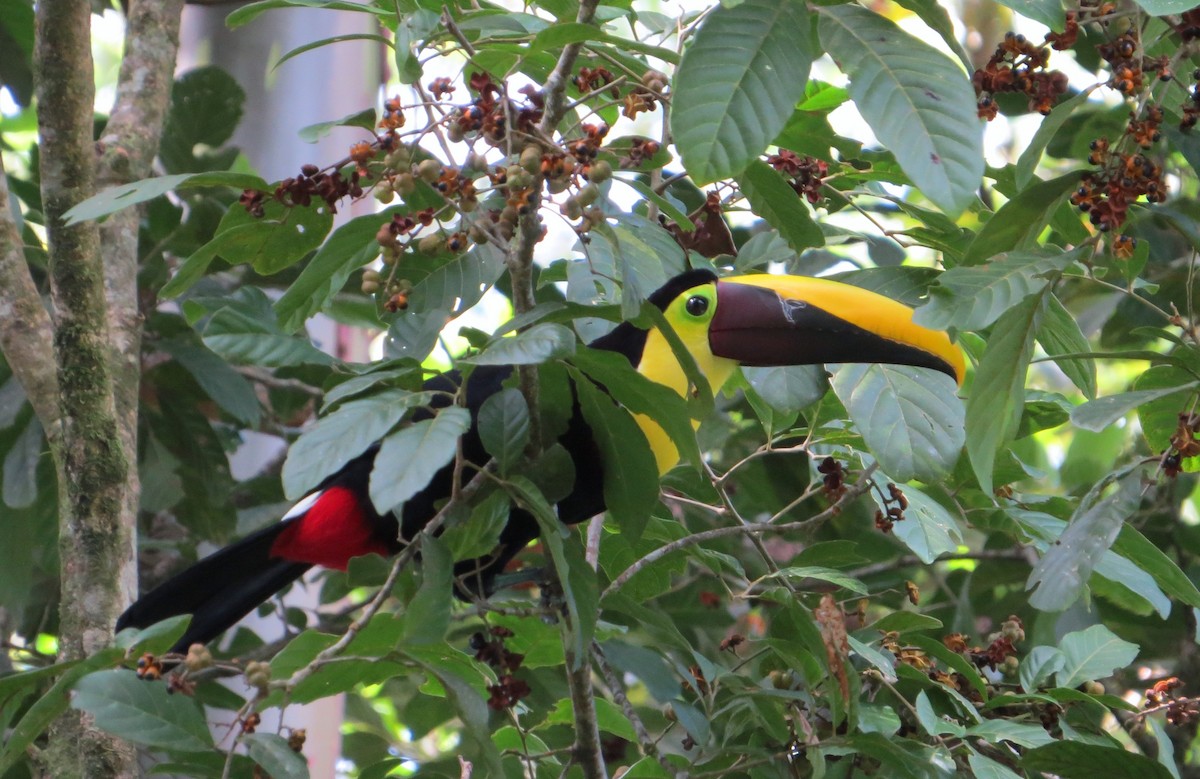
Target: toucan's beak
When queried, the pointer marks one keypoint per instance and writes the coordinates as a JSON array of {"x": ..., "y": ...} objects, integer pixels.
[{"x": 796, "y": 320}]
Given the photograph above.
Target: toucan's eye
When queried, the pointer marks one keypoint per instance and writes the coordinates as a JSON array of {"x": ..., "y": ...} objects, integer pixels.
[{"x": 696, "y": 305}]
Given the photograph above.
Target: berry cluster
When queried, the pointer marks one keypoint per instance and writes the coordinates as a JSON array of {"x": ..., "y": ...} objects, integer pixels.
[
  {"x": 1018, "y": 65},
  {"x": 806, "y": 175},
  {"x": 646, "y": 95},
  {"x": 1106, "y": 195},
  {"x": 509, "y": 689},
  {"x": 1181, "y": 709}
]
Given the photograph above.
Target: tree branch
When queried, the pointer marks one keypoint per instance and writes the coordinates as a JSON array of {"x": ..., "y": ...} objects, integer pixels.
[{"x": 26, "y": 335}]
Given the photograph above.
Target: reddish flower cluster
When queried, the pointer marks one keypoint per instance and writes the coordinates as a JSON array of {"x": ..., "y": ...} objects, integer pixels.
[
  {"x": 591, "y": 79},
  {"x": 330, "y": 186},
  {"x": 508, "y": 690},
  {"x": 834, "y": 482},
  {"x": 1018, "y": 65},
  {"x": 806, "y": 175},
  {"x": 640, "y": 150},
  {"x": 1105, "y": 195},
  {"x": 895, "y": 504},
  {"x": 1181, "y": 709}
]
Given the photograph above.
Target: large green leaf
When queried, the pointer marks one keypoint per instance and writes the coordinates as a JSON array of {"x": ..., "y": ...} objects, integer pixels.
[
  {"x": 458, "y": 283},
  {"x": 919, "y": 104},
  {"x": 1077, "y": 760},
  {"x": 1163, "y": 7},
  {"x": 1027, "y": 162},
  {"x": 642, "y": 396},
  {"x": 410, "y": 457},
  {"x": 272, "y": 752},
  {"x": 350, "y": 246},
  {"x": 115, "y": 198},
  {"x": 141, "y": 712},
  {"x": 343, "y": 435},
  {"x": 997, "y": 394},
  {"x": 771, "y": 198},
  {"x": 1096, "y": 415},
  {"x": 542, "y": 342},
  {"x": 1095, "y": 653},
  {"x": 1060, "y": 334},
  {"x": 1063, "y": 571},
  {"x": 231, "y": 391},
  {"x": 909, "y": 417},
  {"x": 972, "y": 298},
  {"x": 280, "y": 238},
  {"x": 737, "y": 84},
  {"x": 630, "y": 471},
  {"x": 1019, "y": 221},
  {"x": 788, "y": 388},
  {"x": 244, "y": 339},
  {"x": 428, "y": 613},
  {"x": 1048, "y": 12},
  {"x": 206, "y": 106},
  {"x": 640, "y": 253},
  {"x": 928, "y": 529},
  {"x": 1142, "y": 552},
  {"x": 504, "y": 427},
  {"x": 1159, "y": 418}
]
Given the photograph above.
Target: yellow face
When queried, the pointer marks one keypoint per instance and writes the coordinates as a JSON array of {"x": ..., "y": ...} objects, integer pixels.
[{"x": 689, "y": 315}]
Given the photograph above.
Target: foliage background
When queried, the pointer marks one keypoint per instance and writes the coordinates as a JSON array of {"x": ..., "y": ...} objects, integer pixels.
[{"x": 752, "y": 618}]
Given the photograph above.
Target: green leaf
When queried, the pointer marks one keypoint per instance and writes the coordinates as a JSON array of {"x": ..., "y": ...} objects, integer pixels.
[
  {"x": 480, "y": 534},
  {"x": 1023, "y": 734},
  {"x": 17, "y": 38},
  {"x": 972, "y": 298},
  {"x": 37, "y": 718},
  {"x": 771, "y": 198},
  {"x": 819, "y": 572},
  {"x": 1048, "y": 12},
  {"x": 1077, "y": 760},
  {"x": 427, "y": 616},
  {"x": 114, "y": 199},
  {"x": 228, "y": 388},
  {"x": 415, "y": 334},
  {"x": 339, "y": 437},
  {"x": 142, "y": 712},
  {"x": 1063, "y": 571},
  {"x": 1093, "y": 654},
  {"x": 1021, "y": 220},
  {"x": 578, "y": 580},
  {"x": 994, "y": 408},
  {"x": 938, "y": 20},
  {"x": 314, "y": 132},
  {"x": 1038, "y": 666},
  {"x": 609, "y": 718},
  {"x": 409, "y": 458},
  {"x": 458, "y": 283},
  {"x": 243, "y": 339},
  {"x": 250, "y": 12},
  {"x": 281, "y": 238},
  {"x": 275, "y": 756},
  {"x": 664, "y": 204},
  {"x": 1159, "y": 418},
  {"x": 449, "y": 670},
  {"x": 1096, "y": 415},
  {"x": 206, "y": 106},
  {"x": 1140, "y": 551},
  {"x": 909, "y": 417},
  {"x": 737, "y": 84},
  {"x": 788, "y": 388},
  {"x": 928, "y": 529},
  {"x": 348, "y": 247},
  {"x": 504, "y": 427},
  {"x": 1027, "y": 162},
  {"x": 630, "y": 470},
  {"x": 538, "y": 344},
  {"x": 652, "y": 401},
  {"x": 641, "y": 254},
  {"x": 919, "y": 104},
  {"x": 1164, "y": 7},
  {"x": 1060, "y": 334}
]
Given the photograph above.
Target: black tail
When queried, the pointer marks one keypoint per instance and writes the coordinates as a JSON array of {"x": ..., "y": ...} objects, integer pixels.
[{"x": 219, "y": 590}]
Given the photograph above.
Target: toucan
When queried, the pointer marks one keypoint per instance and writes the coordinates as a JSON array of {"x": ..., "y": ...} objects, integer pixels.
[{"x": 755, "y": 320}]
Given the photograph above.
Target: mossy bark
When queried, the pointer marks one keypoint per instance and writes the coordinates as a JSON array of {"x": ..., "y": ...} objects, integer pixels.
[{"x": 96, "y": 331}]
